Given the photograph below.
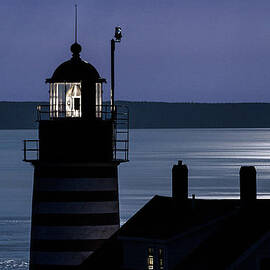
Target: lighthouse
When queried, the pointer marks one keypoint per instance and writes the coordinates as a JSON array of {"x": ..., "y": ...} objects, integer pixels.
[{"x": 81, "y": 141}]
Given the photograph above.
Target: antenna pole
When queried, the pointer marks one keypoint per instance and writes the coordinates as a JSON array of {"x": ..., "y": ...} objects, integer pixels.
[
  {"x": 112, "y": 72},
  {"x": 76, "y": 23}
]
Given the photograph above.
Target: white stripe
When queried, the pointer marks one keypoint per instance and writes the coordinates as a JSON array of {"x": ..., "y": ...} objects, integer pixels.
[
  {"x": 73, "y": 232},
  {"x": 59, "y": 258},
  {"x": 77, "y": 207},
  {"x": 76, "y": 184}
]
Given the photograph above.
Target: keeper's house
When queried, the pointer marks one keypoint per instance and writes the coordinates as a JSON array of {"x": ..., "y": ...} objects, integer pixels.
[{"x": 182, "y": 233}]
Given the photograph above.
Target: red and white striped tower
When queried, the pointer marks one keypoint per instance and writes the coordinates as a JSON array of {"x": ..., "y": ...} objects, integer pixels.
[{"x": 75, "y": 204}]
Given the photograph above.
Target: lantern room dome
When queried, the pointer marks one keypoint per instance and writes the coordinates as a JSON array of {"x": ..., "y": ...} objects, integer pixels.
[{"x": 75, "y": 69}]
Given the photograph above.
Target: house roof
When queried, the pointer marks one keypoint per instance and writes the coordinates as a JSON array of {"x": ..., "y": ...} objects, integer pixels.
[
  {"x": 164, "y": 217},
  {"x": 230, "y": 239},
  {"x": 161, "y": 218},
  {"x": 236, "y": 230}
]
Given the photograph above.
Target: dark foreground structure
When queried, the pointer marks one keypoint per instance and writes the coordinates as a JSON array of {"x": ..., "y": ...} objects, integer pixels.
[
  {"x": 182, "y": 233},
  {"x": 81, "y": 142}
]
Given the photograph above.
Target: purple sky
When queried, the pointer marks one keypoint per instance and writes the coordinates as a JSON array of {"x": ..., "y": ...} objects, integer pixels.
[{"x": 176, "y": 51}]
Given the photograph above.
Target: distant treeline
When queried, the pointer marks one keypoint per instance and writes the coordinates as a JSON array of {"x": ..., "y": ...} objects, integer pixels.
[{"x": 22, "y": 115}]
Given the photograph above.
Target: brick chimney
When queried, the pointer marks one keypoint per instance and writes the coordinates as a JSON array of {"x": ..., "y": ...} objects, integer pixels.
[
  {"x": 248, "y": 190},
  {"x": 180, "y": 181}
]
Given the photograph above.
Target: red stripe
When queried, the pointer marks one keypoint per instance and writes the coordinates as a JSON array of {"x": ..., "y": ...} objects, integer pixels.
[{"x": 75, "y": 219}]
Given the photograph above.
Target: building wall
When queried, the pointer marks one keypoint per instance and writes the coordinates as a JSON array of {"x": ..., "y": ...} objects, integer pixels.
[
  {"x": 135, "y": 249},
  {"x": 135, "y": 254}
]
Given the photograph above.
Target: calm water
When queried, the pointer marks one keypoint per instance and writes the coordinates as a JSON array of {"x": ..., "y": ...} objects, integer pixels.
[{"x": 214, "y": 157}]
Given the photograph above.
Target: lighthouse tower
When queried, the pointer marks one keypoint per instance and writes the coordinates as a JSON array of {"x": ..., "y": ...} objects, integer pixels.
[{"x": 82, "y": 140}]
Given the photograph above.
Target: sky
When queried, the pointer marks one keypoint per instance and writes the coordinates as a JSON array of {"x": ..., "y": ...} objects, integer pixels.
[{"x": 171, "y": 50}]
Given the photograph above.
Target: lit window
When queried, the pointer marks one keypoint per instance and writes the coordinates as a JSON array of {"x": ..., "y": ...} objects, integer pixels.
[
  {"x": 150, "y": 259},
  {"x": 65, "y": 100},
  {"x": 161, "y": 258}
]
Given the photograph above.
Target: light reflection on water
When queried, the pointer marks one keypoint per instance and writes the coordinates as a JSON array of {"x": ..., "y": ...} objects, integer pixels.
[{"x": 214, "y": 157}]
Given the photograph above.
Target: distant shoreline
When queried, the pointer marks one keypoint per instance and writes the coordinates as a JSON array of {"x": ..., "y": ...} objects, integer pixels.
[{"x": 158, "y": 115}]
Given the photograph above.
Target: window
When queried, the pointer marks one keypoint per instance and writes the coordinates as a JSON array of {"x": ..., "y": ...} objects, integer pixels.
[
  {"x": 150, "y": 259},
  {"x": 73, "y": 99},
  {"x": 161, "y": 258},
  {"x": 65, "y": 99}
]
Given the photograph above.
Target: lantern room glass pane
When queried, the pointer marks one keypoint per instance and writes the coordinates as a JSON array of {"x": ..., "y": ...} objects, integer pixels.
[
  {"x": 73, "y": 100},
  {"x": 98, "y": 100},
  {"x": 65, "y": 99}
]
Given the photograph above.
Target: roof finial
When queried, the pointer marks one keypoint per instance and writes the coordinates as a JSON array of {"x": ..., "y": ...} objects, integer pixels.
[
  {"x": 75, "y": 47},
  {"x": 76, "y": 22}
]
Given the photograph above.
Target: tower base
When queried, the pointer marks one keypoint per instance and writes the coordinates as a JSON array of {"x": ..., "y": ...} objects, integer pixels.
[{"x": 75, "y": 209}]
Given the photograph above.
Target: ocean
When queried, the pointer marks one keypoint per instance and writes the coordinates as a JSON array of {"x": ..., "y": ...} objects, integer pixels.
[{"x": 213, "y": 156}]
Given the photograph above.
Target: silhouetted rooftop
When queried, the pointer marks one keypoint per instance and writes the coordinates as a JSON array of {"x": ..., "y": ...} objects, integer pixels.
[
  {"x": 235, "y": 230},
  {"x": 164, "y": 217},
  {"x": 230, "y": 239}
]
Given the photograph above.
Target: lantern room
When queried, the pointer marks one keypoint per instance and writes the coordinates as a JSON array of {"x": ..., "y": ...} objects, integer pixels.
[
  {"x": 77, "y": 125},
  {"x": 75, "y": 89}
]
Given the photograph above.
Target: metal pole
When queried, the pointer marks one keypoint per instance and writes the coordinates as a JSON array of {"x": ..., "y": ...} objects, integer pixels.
[
  {"x": 112, "y": 96},
  {"x": 112, "y": 73}
]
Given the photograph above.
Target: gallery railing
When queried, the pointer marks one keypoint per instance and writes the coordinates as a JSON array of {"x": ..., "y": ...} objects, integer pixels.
[
  {"x": 104, "y": 112},
  {"x": 120, "y": 120}
]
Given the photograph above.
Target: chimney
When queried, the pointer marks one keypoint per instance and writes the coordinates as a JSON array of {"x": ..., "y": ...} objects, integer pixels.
[
  {"x": 180, "y": 181},
  {"x": 248, "y": 190}
]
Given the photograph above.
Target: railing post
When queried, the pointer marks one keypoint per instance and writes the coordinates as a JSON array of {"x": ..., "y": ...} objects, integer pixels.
[
  {"x": 126, "y": 150},
  {"x": 114, "y": 120},
  {"x": 37, "y": 145},
  {"x": 127, "y": 132}
]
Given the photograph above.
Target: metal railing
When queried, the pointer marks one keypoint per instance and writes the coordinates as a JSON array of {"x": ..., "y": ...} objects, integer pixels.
[
  {"x": 120, "y": 121},
  {"x": 47, "y": 112},
  {"x": 121, "y": 133},
  {"x": 30, "y": 150}
]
